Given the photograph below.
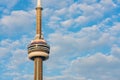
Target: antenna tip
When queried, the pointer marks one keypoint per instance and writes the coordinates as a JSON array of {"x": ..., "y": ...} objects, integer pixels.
[{"x": 38, "y": 3}]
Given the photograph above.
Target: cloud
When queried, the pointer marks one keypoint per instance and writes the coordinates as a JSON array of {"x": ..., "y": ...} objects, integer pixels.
[
  {"x": 4, "y": 51},
  {"x": 19, "y": 76},
  {"x": 65, "y": 78},
  {"x": 75, "y": 55},
  {"x": 13, "y": 57},
  {"x": 91, "y": 48},
  {"x": 67, "y": 23},
  {"x": 91, "y": 36},
  {"x": 54, "y": 3},
  {"x": 81, "y": 14},
  {"x": 18, "y": 22},
  {"x": 115, "y": 51},
  {"x": 106, "y": 67},
  {"x": 13, "y": 51},
  {"x": 7, "y": 5},
  {"x": 85, "y": 68},
  {"x": 17, "y": 55}
]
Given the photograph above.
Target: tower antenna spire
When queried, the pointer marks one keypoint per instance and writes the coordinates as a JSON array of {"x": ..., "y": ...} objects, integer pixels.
[{"x": 39, "y": 3}]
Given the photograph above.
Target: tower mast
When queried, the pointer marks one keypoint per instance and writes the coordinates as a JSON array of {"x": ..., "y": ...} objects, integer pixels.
[
  {"x": 38, "y": 49},
  {"x": 38, "y": 20}
]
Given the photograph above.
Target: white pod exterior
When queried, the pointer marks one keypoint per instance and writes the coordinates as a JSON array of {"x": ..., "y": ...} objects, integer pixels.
[{"x": 38, "y": 48}]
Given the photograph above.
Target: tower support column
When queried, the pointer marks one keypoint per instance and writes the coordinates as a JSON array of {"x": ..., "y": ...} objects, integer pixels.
[
  {"x": 38, "y": 74},
  {"x": 38, "y": 22}
]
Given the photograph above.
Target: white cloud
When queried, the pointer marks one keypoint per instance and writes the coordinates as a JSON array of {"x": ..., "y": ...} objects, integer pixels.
[
  {"x": 17, "y": 55},
  {"x": 75, "y": 55},
  {"x": 24, "y": 77},
  {"x": 115, "y": 30},
  {"x": 16, "y": 50},
  {"x": 81, "y": 14},
  {"x": 4, "y": 52},
  {"x": 81, "y": 20},
  {"x": 85, "y": 68},
  {"x": 17, "y": 22},
  {"x": 46, "y": 11},
  {"x": 67, "y": 23},
  {"x": 57, "y": 4},
  {"x": 7, "y": 5},
  {"x": 19, "y": 76},
  {"x": 106, "y": 67},
  {"x": 79, "y": 41},
  {"x": 14, "y": 57},
  {"x": 65, "y": 78},
  {"x": 54, "y": 3},
  {"x": 67, "y": 46},
  {"x": 115, "y": 51}
]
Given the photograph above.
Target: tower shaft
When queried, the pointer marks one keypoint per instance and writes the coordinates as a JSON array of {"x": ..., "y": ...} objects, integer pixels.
[
  {"x": 38, "y": 69},
  {"x": 38, "y": 60},
  {"x": 38, "y": 22}
]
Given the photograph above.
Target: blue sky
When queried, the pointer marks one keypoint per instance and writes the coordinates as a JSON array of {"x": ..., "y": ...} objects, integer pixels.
[{"x": 84, "y": 36}]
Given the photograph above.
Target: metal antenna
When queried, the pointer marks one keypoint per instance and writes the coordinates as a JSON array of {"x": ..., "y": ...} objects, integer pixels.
[{"x": 39, "y": 3}]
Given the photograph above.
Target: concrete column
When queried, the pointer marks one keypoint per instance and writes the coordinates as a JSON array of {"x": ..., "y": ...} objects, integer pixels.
[
  {"x": 38, "y": 68},
  {"x": 39, "y": 22}
]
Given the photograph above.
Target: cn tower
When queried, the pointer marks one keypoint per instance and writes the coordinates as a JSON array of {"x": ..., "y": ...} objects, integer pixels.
[{"x": 38, "y": 49}]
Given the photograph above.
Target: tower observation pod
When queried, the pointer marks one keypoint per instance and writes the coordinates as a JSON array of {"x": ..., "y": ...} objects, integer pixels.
[{"x": 38, "y": 49}]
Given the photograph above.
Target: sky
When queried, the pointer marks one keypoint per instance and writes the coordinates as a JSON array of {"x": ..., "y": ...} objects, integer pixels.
[{"x": 84, "y": 36}]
